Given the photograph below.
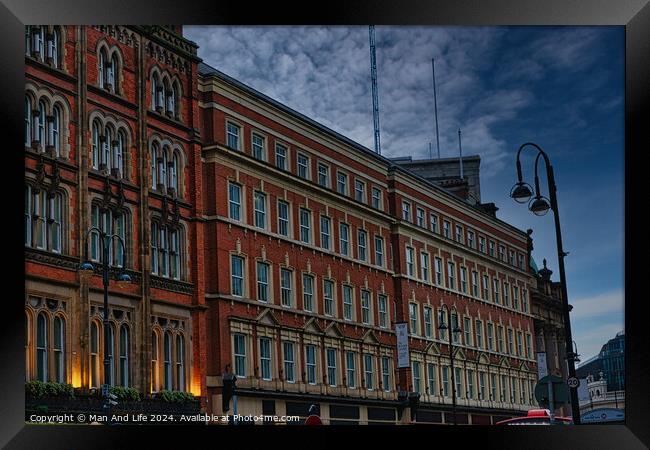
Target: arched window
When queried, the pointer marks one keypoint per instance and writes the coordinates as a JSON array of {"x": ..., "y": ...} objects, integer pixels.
[
  {"x": 103, "y": 61},
  {"x": 41, "y": 347},
  {"x": 162, "y": 167},
  {"x": 28, "y": 121},
  {"x": 59, "y": 349},
  {"x": 43, "y": 219},
  {"x": 173, "y": 173},
  {"x": 111, "y": 353},
  {"x": 106, "y": 153},
  {"x": 55, "y": 223},
  {"x": 166, "y": 251},
  {"x": 154, "y": 248},
  {"x": 118, "y": 158},
  {"x": 154, "y": 162},
  {"x": 113, "y": 74},
  {"x": 167, "y": 373},
  {"x": 41, "y": 124},
  {"x": 109, "y": 223},
  {"x": 154, "y": 91},
  {"x": 55, "y": 136},
  {"x": 120, "y": 230},
  {"x": 124, "y": 356},
  {"x": 28, "y": 40},
  {"x": 53, "y": 47},
  {"x": 174, "y": 255},
  {"x": 38, "y": 42},
  {"x": 95, "y": 145},
  {"x": 180, "y": 362},
  {"x": 154, "y": 362},
  {"x": 94, "y": 355}
]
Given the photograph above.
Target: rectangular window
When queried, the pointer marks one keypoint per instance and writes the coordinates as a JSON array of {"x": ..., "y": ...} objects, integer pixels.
[
  {"x": 424, "y": 266},
  {"x": 506, "y": 294},
  {"x": 433, "y": 222},
  {"x": 323, "y": 175},
  {"x": 406, "y": 211},
  {"x": 383, "y": 310},
  {"x": 470, "y": 239},
  {"x": 328, "y": 297},
  {"x": 289, "y": 362},
  {"x": 496, "y": 291},
  {"x": 376, "y": 198},
  {"x": 445, "y": 381},
  {"x": 233, "y": 135},
  {"x": 459, "y": 233},
  {"x": 442, "y": 319},
  {"x": 439, "y": 271},
  {"x": 361, "y": 244},
  {"x": 427, "y": 322},
  {"x": 369, "y": 371},
  {"x": 524, "y": 301},
  {"x": 504, "y": 388},
  {"x": 502, "y": 253},
  {"x": 308, "y": 292},
  {"x": 305, "y": 225},
  {"x": 431, "y": 375},
  {"x": 365, "y": 307},
  {"x": 352, "y": 373},
  {"x": 285, "y": 287},
  {"x": 283, "y": 218},
  {"x": 234, "y": 200},
  {"x": 359, "y": 191},
  {"x": 262, "y": 282},
  {"x": 463, "y": 280},
  {"x": 410, "y": 264},
  {"x": 446, "y": 229},
  {"x": 491, "y": 251},
  {"x": 490, "y": 336},
  {"x": 325, "y": 225},
  {"x": 344, "y": 239},
  {"x": 470, "y": 383},
  {"x": 260, "y": 210},
  {"x": 455, "y": 325},
  {"x": 467, "y": 328},
  {"x": 481, "y": 385},
  {"x": 240, "y": 355},
  {"x": 451, "y": 282},
  {"x": 281, "y": 157},
  {"x": 521, "y": 261},
  {"x": 413, "y": 318},
  {"x": 529, "y": 346},
  {"x": 420, "y": 217},
  {"x": 481, "y": 244},
  {"x": 342, "y": 183},
  {"x": 417, "y": 377},
  {"x": 458, "y": 374},
  {"x": 520, "y": 344},
  {"x": 486, "y": 287},
  {"x": 479, "y": 334},
  {"x": 331, "y": 366},
  {"x": 347, "y": 302},
  {"x": 515, "y": 297},
  {"x": 493, "y": 387},
  {"x": 511, "y": 257},
  {"x": 379, "y": 251},
  {"x": 474, "y": 284},
  {"x": 237, "y": 276},
  {"x": 310, "y": 360},
  {"x": 303, "y": 166},
  {"x": 265, "y": 358},
  {"x": 385, "y": 373},
  {"x": 258, "y": 147},
  {"x": 500, "y": 338}
]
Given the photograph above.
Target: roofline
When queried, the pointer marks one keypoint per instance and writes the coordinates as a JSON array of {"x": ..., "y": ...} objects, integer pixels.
[{"x": 392, "y": 166}]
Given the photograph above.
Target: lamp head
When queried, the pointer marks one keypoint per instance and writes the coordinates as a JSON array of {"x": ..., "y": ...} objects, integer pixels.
[
  {"x": 86, "y": 269},
  {"x": 521, "y": 192},
  {"x": 123, "y": 279},
  {"x": 539, "y": 205}
]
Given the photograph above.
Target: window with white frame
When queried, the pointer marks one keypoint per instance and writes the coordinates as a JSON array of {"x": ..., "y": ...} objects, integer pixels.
[
  {"x": 493, "y": 387},
  {"x": 359, "y": 191},
  {"x": 515, "y": 297},
  {"x": 502, "y": 253},
  {"x": 344, "y": 239},
  {"x": 431, "y": 379},
  {"x": 463, "y": 280},
  {"x": 385, "y": 373},
  {"x": 323, "y": 175},
  {"x": 111, "y": 222},
  {"x": 413, "y": 318},
  {"x": 376, "y": 198},
  {"x": 427, "y": 322},
  {"x": 281, "y": 157},
  {"x": 529, "y": 346},
  {"x": 234, "y": 201},
  {"x": 410, "y": 263},
  {"x": 459, "y": 233},
  {"x": 424, "y": 266},
  {"x": 351, "y": 369},
  {"x": 289, "y": 362},
  {"x": 239, "y": 341},
  {"x": 362, "y": 236},
  {"x": 520, "y": 344},
  {"x": 500, "y": 339},
  {"x": 467, "y": 329},
  {"x": 433, "y": 222},
  {"x": 506, "y": 294},
  {"x": 458, "y": 375},
  {"x": 265, "y": 359},
  {"x": 382, "y": 303},
  {"x": 481, "y": 244},
  {"x": 445, "y": 381},
  {"x": 166, "y": 254},
  {"x": 233, "y": 135},
  {"x": 328, "y": 297},
  {"x": 511, "y": 257},
  {"x": 237, "y": 275},
  {"x": 369, "y": 371},
  {"x": 331, "y": 366},
  {"x": 379, "y": 251},
  {"x": 366, "y": 316},
  {"x": 455, "y": 324},
  {"x": 490, "y": 336},
  {"x": 310, "y": 362},
  {"x": 303, "y": 166},
  {"x": 470, "y": 239},
  {"x": 470, "y": 383},
  {"x": 308, "y": 292},
  {"x": 524, "y": 301},
  {"x": 417, "y": 376},
  {"x": 341, "y": 183},
  {"x": 258, "y": 147},
  {"x": 439, "y": 271},
  {"x": 496, "y": 290},
  {"x": 305, "y": 225},
  {"x": 474, "y": 283},
  {"x": 262, "y": 270},
  {"x": 479, "y": 333},
  {"x": 286, "y": 291},
  {"x": 347, "y": 302},
  {"x": 481, "y": 385},
  {"x": 521, "y": 261},
  {"x": 283, "y": 218},
  {"x": 325, "y": 231},
  {"x": 451, "y": 281},
  {"x": 260, "y": 210},
  {"x": 446, "y": 229},
  {"x": 491, "y": 248},
  {"x": 486, "y": 287},
  {"x": 406, "y": 211},
  {"x": 419, "y": 217},
  {"x": 44, "y": 219}
]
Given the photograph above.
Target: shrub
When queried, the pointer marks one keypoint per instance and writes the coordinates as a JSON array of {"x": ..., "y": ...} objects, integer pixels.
[
  {"x": 125, "y": 393},
  {"x": 50, "y": 389},
  {"x": 175, "y": 397}
]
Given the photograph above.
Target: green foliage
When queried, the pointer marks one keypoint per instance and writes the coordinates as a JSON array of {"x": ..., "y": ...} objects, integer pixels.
[
  {"x": 125, "y": 393},
  {"x": 175, "y": 397},
  {"x": 49, "y": 389}
]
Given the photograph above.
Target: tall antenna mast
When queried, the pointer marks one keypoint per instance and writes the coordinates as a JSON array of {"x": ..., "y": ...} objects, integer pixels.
[
  {"x": 435, "y": 103},
  {"x": 375, "y": 95},
  {"x": 460, "y": 149}
]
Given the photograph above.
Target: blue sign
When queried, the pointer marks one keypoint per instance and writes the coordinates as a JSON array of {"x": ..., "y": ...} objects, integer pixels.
[{"x": 603, "y": 415}]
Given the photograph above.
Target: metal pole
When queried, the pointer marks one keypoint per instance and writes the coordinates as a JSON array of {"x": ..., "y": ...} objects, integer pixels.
[
  {"x": 107, "y": 363},
  {"x": 453, "y": 377}
]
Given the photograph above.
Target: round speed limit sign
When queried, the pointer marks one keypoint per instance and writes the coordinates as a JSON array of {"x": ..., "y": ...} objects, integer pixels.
[{"x": 573, "y": 382}]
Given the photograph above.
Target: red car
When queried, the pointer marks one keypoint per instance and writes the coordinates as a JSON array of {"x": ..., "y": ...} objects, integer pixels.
[{"x": 537, "y": 417}]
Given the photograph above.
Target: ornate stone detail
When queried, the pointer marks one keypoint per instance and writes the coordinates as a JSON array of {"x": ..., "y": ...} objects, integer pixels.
[
  {"x": 172, "y": 285},
  {"x": 119, "y": 33},
  {"x": 51, "y": 259}
]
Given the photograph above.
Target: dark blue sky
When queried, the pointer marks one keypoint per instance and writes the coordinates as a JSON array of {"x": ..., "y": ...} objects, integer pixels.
[{"x": 560, "y": 87}]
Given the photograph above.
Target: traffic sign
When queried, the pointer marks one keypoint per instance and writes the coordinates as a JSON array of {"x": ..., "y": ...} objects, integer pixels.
[
  {"x": 573, "y": 382},
  {"x": 560, "y": 391}
]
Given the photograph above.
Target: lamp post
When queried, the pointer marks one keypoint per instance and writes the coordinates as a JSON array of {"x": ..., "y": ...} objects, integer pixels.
[
  {"x": 86, "y": 269},
  {"x": 539, "y": 205},
  {"x": 442, "y": 327}
]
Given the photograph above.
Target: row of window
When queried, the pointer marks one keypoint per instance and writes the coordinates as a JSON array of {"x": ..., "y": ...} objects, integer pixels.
[
  {"x": 168, "y": 367},
  {"x": 284, "y": 226},
  {"x": 44, "y": 125},
  {"x": 165, "y": 95},
  {"x": 513, "y": 257},
  {"x": 342, "y": 368},
  {"x": 483, "y": 290},
  {"x": 471, "y": 384},
  {"x": 43, "y": 219},
  {"x": 45, "y": 347},
  {"x": 359, "y": 190},
  {"x": 472, "y": 333},
  {"x": 314, "y": 299},
  {"x": 44, "y": 44}
]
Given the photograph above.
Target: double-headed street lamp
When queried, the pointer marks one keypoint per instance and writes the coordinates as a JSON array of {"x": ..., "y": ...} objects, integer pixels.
[
  {"x": 539, "y": 205},
  {"x": 442, "y": 327},
  {"x": 86, "y": 269}
]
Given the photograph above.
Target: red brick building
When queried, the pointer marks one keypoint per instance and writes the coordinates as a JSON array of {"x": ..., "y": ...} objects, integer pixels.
[{"x": 258, "y": 241}]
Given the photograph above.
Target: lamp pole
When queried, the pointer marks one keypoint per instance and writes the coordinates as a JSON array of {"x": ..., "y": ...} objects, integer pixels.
[
  {"x": 452, "y": 329},
  {"x": 539, "y": 206},
  {"x": 87, "y": 269}
]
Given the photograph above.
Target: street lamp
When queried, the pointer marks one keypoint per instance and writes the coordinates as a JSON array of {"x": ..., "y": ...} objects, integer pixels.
[
  {"x": 86, "y": 269},
  {"x": 442, "y": 327},
  {"x": 539, "y": 205}
]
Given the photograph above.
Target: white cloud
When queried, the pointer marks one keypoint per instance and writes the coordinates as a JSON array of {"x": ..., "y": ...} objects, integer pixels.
[{"x": 606, "y": 304}]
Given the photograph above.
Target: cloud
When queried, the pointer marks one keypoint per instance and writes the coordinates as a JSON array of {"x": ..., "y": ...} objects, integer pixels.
[
  {"x": 601, "y": 305},
  {"x": 591, "y": 341}
]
